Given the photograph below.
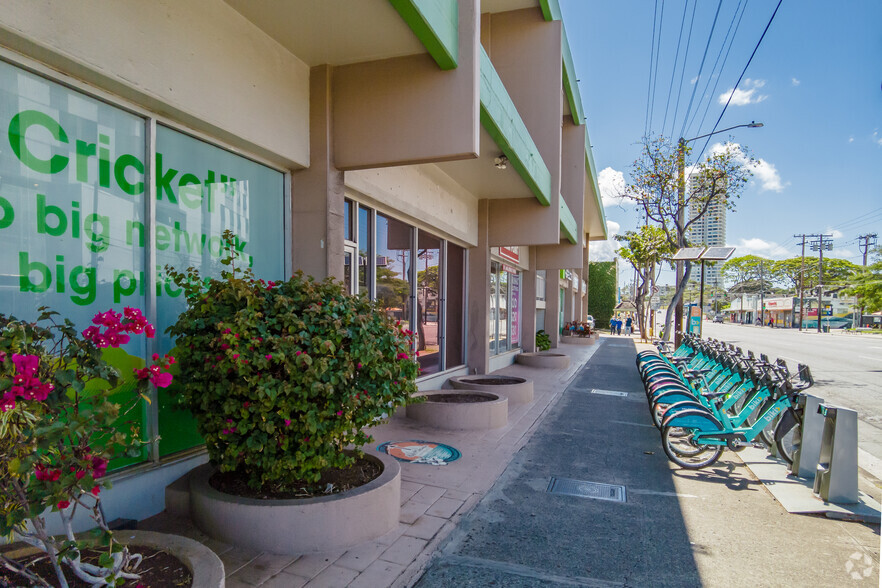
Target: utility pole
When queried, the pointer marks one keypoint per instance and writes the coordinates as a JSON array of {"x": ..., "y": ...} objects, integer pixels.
[
  {"x": 762, "y": 293},
  {"x": 869, "y": 241},
  {"x": 801, "y": 269},
  {"x": 820, "y": 245}
]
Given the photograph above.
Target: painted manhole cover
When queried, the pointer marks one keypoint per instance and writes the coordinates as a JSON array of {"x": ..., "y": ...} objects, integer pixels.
[
  {"x": 427, "y": 452},
  {"x": 584, "y": 489}
]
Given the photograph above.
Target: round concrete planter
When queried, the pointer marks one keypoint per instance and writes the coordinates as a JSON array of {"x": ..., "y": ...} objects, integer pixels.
[
  {"x": 310, "y": 525},
  {"x": 544, "y": 360},
  {"x": 205, "y": 566},
  {"x": 569, "y": 340},
  {"x": 460, "y": 416},
  {"x": 517, "y": 390}
]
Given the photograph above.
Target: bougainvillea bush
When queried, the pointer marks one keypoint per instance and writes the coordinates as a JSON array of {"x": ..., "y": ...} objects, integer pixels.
[
  {"x": 61, "y": 422},
  {"x": 283, "y": 376}
]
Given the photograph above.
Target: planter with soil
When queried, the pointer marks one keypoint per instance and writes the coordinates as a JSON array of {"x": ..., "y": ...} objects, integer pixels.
[
  {"x": 459, "y": 410},
  {"x": 517, "y": 390},
  {"x": 168, "y": 560},
  {"x": 544, "y": 359},
  {"x": 286, "y": 523}
]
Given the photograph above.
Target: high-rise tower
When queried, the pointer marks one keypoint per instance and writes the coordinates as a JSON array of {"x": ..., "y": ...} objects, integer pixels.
[{"x": 710, "y": 231}]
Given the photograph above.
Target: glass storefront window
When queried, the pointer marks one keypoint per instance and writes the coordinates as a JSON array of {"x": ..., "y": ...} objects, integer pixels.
[
  {"x": 73, "y": 219},
  {"x": 454, "y": 315},
  {"x": 428, "y": 300},
  {"x": 493, "y": 316},
  {"x": 502, "y": 312},
  {"x": 365, "y": 248},
  {"x": 394, "y": 241}
]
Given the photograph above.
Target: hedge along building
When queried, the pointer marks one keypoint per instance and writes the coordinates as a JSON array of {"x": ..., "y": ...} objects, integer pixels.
[{"x": 432, "y": 154}]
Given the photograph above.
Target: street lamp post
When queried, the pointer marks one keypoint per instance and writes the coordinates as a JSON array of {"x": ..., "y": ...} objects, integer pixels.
[{"x": 681, "y": 215}]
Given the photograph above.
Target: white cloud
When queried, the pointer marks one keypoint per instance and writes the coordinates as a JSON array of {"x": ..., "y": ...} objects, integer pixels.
[
  {"x": 766, "y": 173},
  {"x": 760, "y": 247},
  {"x": 876, "y": 138},
  {"x": 851, "y": 139},
  {"x": 836, "y": 234},
  {"x": 795, "y": 82},
  {"x": 693, "y": 80},
  {"x": 612, "y": 186},
  {"x": 605, "y": 250},
  {"x": 747, "y": 95}
]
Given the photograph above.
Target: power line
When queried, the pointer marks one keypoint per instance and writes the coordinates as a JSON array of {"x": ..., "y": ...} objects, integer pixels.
[
  {"x": 732, "y": 93},
  {"x": 649, "y": 85},
  {"x": 722, "y": 66},
  {"x": 661, "y": 21},
  {"x": 700, "y": 69},
  {"x": 677, "y": 58}
]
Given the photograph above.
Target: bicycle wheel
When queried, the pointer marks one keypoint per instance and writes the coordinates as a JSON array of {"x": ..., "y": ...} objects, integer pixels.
[
  {"x": 682, "y": 451},
  {"x": 788, "y": 434}
]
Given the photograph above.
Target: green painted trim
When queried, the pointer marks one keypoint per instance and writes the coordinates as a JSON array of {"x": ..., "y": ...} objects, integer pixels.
[
  {"x": 550, "y": 9},
  {"x": 571, "y": 87},
  {"x": 591, "y": 170},
  {"x": 436, "y": 25},
  {"x": 500, "y": 118},
  {"x": 568, "y": 224}
]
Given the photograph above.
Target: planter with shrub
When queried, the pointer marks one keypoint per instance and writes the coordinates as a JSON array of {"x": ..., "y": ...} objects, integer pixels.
[{"x": 283, "y": 378}]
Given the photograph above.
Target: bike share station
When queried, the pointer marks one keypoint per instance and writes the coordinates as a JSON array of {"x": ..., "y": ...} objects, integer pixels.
[{"x": 822, "y": 440}]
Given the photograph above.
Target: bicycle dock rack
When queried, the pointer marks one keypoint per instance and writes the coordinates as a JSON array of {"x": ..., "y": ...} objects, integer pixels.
[
  {"x": 807, "y": 452},
  {"x": 837, "y": 477}
]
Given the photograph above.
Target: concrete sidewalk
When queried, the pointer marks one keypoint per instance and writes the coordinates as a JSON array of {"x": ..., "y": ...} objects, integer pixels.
[
  {"x": 434, "y": 498},
  {"x": 715, "y": 527}
]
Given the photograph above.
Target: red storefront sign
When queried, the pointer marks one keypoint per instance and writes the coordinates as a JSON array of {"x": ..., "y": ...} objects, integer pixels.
[{"x": 510, "y": 253}]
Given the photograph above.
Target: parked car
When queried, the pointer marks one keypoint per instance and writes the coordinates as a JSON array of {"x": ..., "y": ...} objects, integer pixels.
[{"x": 718, "y": 318}]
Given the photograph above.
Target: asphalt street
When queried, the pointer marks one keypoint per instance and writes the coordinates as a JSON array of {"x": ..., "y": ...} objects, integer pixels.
[
  {"x": 714, "y": 527},
  {"x": 847, "y": 370}
]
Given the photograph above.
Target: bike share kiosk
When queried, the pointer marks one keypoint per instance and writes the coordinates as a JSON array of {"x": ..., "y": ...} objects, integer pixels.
[
  {"x": 837, "y": 476},
  {"x": 807, "y": 448}
]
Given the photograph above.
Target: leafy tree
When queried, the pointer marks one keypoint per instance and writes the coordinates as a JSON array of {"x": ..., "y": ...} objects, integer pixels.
[
  {"x": 748, "y": 273},
  {"x": 787, "y": 272},
  {"x": 644, "y": 249},
  {"x": 601, "y": 290},
  {"x": 657, "y": 188},
  {"x": 866, "y": 284}
]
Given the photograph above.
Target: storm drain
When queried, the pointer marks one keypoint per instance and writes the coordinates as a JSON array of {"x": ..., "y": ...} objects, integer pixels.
[
  {"x": 583, "y": 489},
  {"x": 610, "y": 393}
]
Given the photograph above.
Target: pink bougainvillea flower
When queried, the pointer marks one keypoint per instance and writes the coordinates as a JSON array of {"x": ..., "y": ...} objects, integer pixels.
[
  {"x": 339, "y": 413},
  {"x": 287, "y": 422},
  {"x": 246, "y": 404},
  {"x": 403, "y": 356},
  {"x": 162, "y": 380},
  {"x": 359, "y": 366},
  {"x": 268, "y": 356},
  {"x": 149, "y": 331},
  {"x": 62, "y": 504},
  {"x": 96, "y": 490},
  {"x": 99, "y": 467}
]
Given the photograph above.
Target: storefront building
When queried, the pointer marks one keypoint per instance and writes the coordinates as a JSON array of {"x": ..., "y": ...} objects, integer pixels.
[{"x": 430, "y": 155}]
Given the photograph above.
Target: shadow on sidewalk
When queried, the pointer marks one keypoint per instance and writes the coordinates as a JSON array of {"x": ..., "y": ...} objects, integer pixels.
[{"x": 522, "y": 535}]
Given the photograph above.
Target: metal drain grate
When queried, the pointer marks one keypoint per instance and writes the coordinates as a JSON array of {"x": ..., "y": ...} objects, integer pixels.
[
  {"x": 582, "y": 489},
  {"x": 610, "y": 393}
]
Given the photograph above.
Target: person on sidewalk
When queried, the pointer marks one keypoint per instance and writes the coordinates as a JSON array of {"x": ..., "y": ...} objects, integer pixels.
[
  {"x": 628, "y": 325},
  {"x": 771, "y": 322},
  {"x": 618, "y": 326},
  {"x": 612, "y": 325}
]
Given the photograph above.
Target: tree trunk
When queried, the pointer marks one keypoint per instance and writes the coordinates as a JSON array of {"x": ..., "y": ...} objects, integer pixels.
[{"x": 678, "y": 295}]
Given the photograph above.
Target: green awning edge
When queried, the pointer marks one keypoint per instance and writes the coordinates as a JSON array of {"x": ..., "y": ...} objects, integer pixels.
[{"x": 436, "y": 25}]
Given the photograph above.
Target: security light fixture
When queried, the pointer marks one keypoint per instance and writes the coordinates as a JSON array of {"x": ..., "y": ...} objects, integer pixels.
[{"x": 501, "y": 162}]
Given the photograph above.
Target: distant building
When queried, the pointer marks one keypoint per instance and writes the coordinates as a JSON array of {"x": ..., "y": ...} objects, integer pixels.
[{"x": 710, "y": 231}]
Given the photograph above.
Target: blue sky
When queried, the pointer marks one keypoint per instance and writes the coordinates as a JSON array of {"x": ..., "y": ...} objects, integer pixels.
[{"x": 815, "y": 83}]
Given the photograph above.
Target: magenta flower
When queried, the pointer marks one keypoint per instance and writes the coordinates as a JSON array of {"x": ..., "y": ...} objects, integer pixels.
[
  {"x": 287, "y": 422},
  {"x": 268, "y": 356}
]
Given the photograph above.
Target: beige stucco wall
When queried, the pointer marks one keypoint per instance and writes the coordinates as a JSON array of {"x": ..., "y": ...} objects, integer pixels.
[
  {"x": 196, "y": 61},
  {"x": 422, "y": 194},
  {"x": 526, "y": 52},
  {"x": 405, "y": 110}
]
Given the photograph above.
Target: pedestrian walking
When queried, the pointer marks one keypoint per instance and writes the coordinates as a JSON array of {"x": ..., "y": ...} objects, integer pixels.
[
  {"x": 612, "y": 325},
  {"x": 628, "y": 325},
  {"x": 771, "y": 322},
  {"x": 618, "y": 326}
]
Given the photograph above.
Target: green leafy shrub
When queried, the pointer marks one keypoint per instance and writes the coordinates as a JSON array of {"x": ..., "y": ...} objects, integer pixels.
[
  {"x": 283, "y": 376},
  {"x": 543, "y": 341}
]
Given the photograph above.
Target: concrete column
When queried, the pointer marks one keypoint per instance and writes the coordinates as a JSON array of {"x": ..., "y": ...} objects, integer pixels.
[
  {"x": 552, "y": 306},
  {"x": 569, "y": 303},
  {"x": 580, "y": 302},
  {"x": 528, "y": 307},
  {"x": 317, "y": 192},
  {"x": 478, "y": 340},
  {"x": 584, "y": 273}
]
